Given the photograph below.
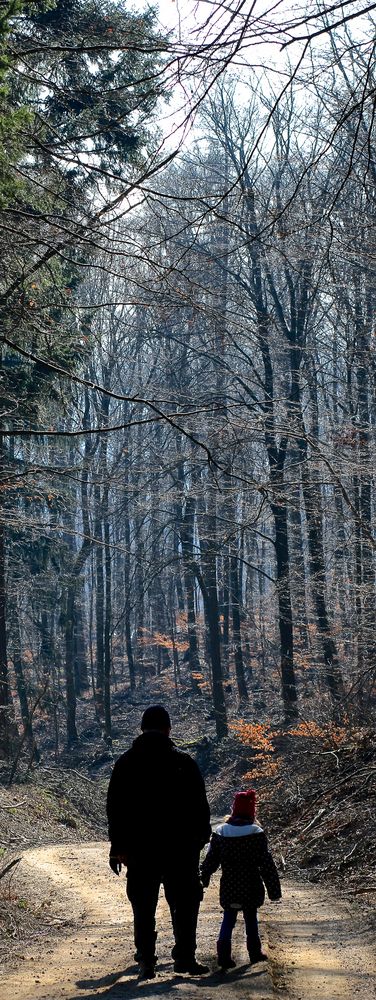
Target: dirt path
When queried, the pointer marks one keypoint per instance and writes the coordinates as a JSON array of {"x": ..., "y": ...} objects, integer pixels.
[{"x": 314, "y": 949}]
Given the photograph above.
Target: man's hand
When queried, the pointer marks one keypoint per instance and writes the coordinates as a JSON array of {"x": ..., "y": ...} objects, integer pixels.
[{"x": 116, "y": 861}]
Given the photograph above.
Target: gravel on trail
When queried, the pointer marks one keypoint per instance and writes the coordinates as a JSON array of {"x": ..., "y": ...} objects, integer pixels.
[{"x": 319, "y": 948}]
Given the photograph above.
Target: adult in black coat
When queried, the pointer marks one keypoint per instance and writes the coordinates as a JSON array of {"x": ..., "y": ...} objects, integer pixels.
[{"x": 158, "y": 821}]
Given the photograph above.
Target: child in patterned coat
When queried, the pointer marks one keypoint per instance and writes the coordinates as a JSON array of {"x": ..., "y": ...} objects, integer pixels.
[{"x": 239, "y": 846}]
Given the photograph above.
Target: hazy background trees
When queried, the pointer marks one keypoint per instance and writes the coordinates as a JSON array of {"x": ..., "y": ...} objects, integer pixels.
[{"x": 188, "y": 379}]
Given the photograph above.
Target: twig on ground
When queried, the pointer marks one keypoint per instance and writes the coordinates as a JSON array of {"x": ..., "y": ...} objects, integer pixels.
[
  {"x": 8, "y": 867},
  {"x": 315, "y": 820},
  {"x": 363, "y": 888},
  {"x": 349, "y": 855},
  {"x": 71, "y": 770},
  {"x": 15, "y": 804}
]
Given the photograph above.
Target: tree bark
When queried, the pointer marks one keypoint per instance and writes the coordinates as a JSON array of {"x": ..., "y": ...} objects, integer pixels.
[
  {"x": 236, "y": 629},
  {"x": 107, "y": 629},
  {"x": 285, "y": 621},
  {"x": 22, "y": 691},
  {"x": 5, "y": 747}
]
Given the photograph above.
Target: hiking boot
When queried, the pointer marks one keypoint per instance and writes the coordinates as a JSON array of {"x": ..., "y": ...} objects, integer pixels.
[
  {"x": 194, "y": 968},
  {"x": 229, "y": 964},
  {"x": 147, "y": 970},
  {"x": 261, "y": 957},
  {"x": 138, "y": 956}
]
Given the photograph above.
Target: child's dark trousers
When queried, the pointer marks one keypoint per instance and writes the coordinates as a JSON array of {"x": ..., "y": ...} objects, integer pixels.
[{"x": 225, "y": 934}]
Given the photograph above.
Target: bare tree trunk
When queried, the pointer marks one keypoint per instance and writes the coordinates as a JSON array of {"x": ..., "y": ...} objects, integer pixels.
[
  {"x": 5, "y": 747},
  {"x": 99, "y": 604},
  {"x": 207, "y": 580},
  {"x": 72, "y": 735},
  {"x": 285, "y": 622},
  {"x": 127, "y": 568},
  {"x": 140, "y": 601},
  {"x": 22, "y": 691},
  {"x": 73, "y": 584},
  {"x": 225, "y": 611},
  {"x": 312, "y": 502},
  {"x": 107, "y": 627},
  {"x": 186, "y": 536},
  {"x": 80, "y": 663},
  {"x": 236, "y": 629},
  {"x": 314, "y": 520},
  {"x": 210, "y": 596}
]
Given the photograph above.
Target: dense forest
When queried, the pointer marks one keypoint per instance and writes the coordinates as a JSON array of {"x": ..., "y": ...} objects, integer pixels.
[{"x": 188, "y": 299}]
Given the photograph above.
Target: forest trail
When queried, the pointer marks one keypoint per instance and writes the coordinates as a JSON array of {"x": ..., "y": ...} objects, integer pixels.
[{"x": 317, "y": 947}]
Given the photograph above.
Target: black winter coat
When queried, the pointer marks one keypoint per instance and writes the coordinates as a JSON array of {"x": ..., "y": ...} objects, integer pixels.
[
  {"x": 241, "y": 850},
  {"x": 156, "y": 804}
]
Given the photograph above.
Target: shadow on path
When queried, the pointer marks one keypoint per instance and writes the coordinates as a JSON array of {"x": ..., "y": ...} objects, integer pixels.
[{"x": 154, "y": 987}]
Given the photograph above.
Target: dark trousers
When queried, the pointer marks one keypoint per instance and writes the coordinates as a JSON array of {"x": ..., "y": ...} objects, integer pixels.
[
  {"x": 227, "y": 927},
  {"x": 183, "y": 894}
]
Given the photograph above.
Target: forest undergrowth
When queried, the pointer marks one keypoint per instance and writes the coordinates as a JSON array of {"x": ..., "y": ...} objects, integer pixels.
[{"x": 316, "y": 786}]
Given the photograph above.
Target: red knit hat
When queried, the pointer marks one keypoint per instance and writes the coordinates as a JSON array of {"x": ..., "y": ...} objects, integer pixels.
[{"x": 244, "y": 805}]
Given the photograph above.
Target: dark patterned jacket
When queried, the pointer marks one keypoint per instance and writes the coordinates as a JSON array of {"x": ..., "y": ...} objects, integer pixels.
[
  {"x": 156, "y": 804},
  {"x": 241, "y": 850}
]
